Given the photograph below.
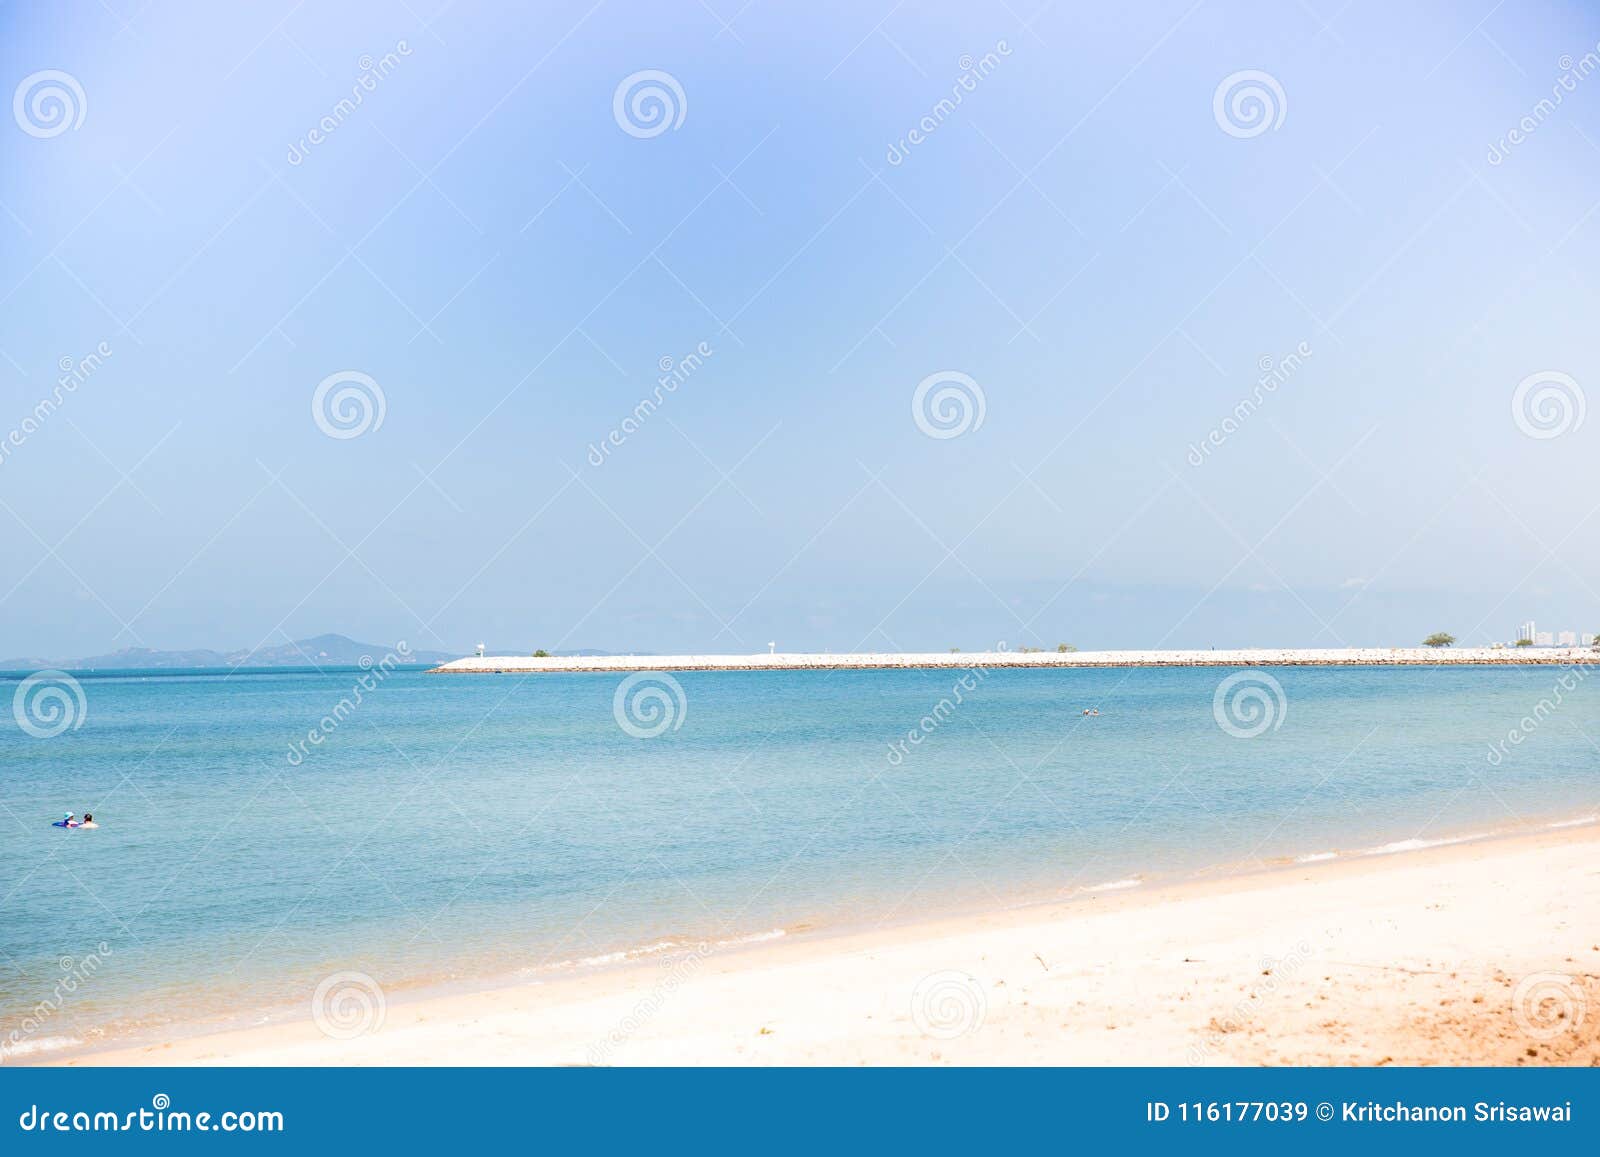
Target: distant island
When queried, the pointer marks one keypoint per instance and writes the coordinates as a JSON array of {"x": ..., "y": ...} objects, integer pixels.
[{"x": 321, "y": 651}]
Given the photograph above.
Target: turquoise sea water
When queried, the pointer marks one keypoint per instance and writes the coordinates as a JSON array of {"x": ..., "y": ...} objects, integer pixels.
[{"x": 478, "y": 827}]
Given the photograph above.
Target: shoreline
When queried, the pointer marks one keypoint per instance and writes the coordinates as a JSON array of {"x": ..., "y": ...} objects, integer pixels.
[
  {"x": 450, "y": 982},
  {"x": 961, "y": 660},
  {"x": 847, "y": 996}
]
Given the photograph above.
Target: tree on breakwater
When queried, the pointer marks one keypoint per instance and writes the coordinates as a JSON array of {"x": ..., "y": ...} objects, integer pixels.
[{"x": 1439, "y": 639}]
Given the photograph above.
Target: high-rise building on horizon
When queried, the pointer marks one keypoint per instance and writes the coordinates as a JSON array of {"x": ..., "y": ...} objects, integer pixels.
[
  {"x": 1526, "y": 631},
  {"x": 1567, "y": 639}
]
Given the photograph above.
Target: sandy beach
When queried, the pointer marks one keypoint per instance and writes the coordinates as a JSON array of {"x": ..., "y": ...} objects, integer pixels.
[
  {"x": 1484, "y": 952},
  {"x": 960, "y": 660}
]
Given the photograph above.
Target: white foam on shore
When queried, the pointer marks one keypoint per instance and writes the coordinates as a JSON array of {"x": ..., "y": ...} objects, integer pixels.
[
  {"x": 617, "y": 957},
  {"x": 1581, "y": 821},
  {"x": 703, "y": 947},
  {"x": 1316, "y": 857},
  {"x": 1113, "y": 885},
  {"x": 42, "y": 1044},
  {"x": 1417, "y": 845},
  {"x": 758, "y": 937}
]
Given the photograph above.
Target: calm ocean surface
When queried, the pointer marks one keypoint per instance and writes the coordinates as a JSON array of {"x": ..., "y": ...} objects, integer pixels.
[{"x": 463, "y": 828}]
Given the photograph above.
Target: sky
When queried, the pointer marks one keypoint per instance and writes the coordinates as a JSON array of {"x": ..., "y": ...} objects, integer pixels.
[{"x": 942, "y": 372}]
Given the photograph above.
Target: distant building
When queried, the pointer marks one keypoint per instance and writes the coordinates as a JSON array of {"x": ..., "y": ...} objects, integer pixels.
[
  {"x": 1588, "y": 640},
  {"x": 1544, "y": 639},
  {"x": 1567, "y": 638},
  {"x": 1526, "y": 631}
]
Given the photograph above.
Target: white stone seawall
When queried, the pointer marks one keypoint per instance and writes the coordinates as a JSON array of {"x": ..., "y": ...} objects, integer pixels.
[{"x": 960, "y": 660}]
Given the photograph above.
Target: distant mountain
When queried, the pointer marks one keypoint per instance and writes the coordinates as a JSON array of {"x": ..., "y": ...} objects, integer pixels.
[
  {"x": 328, "y": 651},
  {"x": 322, "y": 651}
]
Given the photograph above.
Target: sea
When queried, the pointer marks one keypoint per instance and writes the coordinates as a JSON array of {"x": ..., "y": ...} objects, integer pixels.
[{"x": 263, "y": 831}]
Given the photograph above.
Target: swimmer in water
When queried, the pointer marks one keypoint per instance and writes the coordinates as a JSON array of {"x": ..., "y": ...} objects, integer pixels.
[{"x": 88, "y": 821}]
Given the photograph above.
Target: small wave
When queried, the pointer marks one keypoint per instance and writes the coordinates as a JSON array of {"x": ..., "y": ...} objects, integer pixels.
[
  {"x": 1417, "y": 845},
  {"x": 42, "y": 1044},
  {"x": 1398, "y": 846},
  {"x": 625, "y": 954},
  {"x": 1114, "y": 885},
  {"x": 757, "y": 938},
  {"x": 1581, "y": 821},
  {"x": 1316, "y": 857},
  {"x": 661, "y": 948}
]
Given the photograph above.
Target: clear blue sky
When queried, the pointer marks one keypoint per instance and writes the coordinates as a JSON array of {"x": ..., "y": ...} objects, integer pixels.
[{"x": 1080, "y": 236}]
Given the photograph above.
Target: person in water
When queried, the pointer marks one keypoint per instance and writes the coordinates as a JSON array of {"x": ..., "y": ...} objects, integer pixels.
[
  {"x": 88, "y": 821},
  {"x": 67, "y": 821}
]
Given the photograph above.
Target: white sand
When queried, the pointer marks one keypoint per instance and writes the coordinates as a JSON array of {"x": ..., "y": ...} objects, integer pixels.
[
  {"x": 1457, "y": 955},
  {"x": 1263, "y": 657}
]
